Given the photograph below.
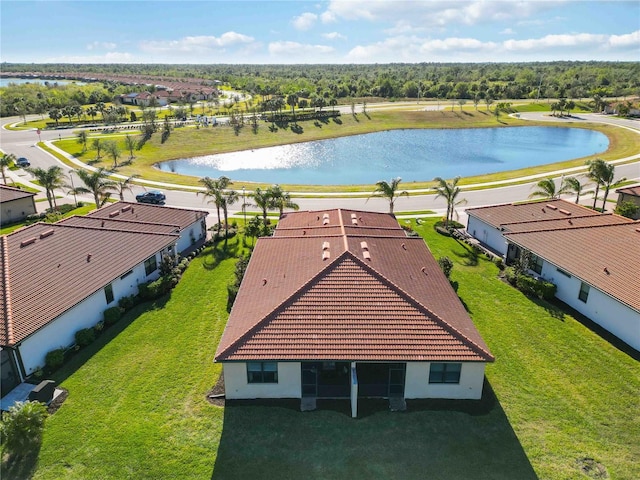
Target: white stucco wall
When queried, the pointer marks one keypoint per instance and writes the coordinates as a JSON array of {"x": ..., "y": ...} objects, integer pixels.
[
  {"x": 16, "y": 210},
  {"x": 60, "y": 333},
  {"x": 470, "y": 387},
  {"x": 617, "y": 318},
  {"x": 198, "y": 232},
  {"x": 488, "y": 235},
  {"x": 236, "y": 386}
]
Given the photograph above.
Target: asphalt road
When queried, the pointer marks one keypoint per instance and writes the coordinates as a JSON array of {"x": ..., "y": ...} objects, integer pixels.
[{"x": 22, "y": 143}]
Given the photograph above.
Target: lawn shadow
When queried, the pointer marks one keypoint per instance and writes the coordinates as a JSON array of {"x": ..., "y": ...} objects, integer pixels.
[
  {"x": 469, "y": 254},
  {"x": 212, "y": 256},
  {"x": 84, "y": 354},
  {"x": 452, "y": 439},
  {"x": 555, "y": 311},
  {"x": 23, "y": 467}
]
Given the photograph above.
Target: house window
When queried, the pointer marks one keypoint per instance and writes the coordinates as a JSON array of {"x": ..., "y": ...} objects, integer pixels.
[
  {"x": 562, "y": 272},
  {"x": 126, "y": 274},
  {"x": 536, "y": 264},
  {"x": 445, "y": 372},
  {"x": 150, "y": 265},
  {"x": 584, "y": 292},
  {"x": 108, "y": 293},
  {"x": 262, "y": 372}
]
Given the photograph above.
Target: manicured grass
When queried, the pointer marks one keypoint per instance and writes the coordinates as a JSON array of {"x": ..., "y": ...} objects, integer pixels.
[
  {"x": 136, "y": 408},
  {"x": 190, "y": 142},
  {"x": 76, "y": 211}
]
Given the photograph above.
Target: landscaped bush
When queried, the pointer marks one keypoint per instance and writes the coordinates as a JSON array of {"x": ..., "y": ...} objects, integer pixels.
[
  {"x": 529, "y": 285},
  {"x": 128, "y": 302},
  {"x": 443, "y": 231},
  {"x": 21, "y": 427},
  {"x": 446, "y": 264},
  {"x": 54, "y": 359},
  {"x": 85, "y": 336},
  {"x": 112, "y": 315},
  {"x": 156, "y": 288}
]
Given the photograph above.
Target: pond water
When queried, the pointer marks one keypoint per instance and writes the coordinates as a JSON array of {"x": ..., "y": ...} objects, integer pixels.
[
  {"x": 4, "y": 82},
  {"x": 413, "y": 155}
]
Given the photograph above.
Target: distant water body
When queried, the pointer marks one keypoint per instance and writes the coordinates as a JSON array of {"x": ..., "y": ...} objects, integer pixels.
[
  {"x": 414, "y": 155},
  {"x": 4, "y": 82}
]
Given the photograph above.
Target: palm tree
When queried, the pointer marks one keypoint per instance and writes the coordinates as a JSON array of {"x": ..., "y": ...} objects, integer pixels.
[
  {"x": 597, "y": 172},
  {"x": 5, "y": 161},
  {"x": 546, "y": 188},
  {"x": 572, "y": 184},
  {"x": 262, "y": 199},
  {"x": 120, "y": 186},
  {"x": 111, "y": 147},
  {"x": 281, "y": 199},
  {"x": 97, "y": 183},
  {"x": 389, "y": 191},
  {"x": 55, "y": 114},
  {"x": 97, "y": 145},
  {"x": 50, "y": 180},
  {"x": 131, "y": 143},
  {"x": 228, "y": 198},
  {"x": 608, "y": 182},
  {"x": 214, "y": 188},
  {"x": 292, "y": 101},
  {"x": 449, "y": 191},
  {"x": 82, "y": 139}
]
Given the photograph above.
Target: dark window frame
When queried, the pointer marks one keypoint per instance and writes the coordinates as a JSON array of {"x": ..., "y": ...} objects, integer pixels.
[
  {"x": 108, "y": 293},
  {"x": 450, "y": 372},
  {"x": 257, "y": 373},
  {"x": 583, "y": 294},
  {"x": 150, "y": 265},
  {"x": 536, "y": 264}
]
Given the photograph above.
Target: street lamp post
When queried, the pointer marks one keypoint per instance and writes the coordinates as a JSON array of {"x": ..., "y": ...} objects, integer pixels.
[
  {"x": 244, "y": 207},
  {"x": 73, "y": 189}
]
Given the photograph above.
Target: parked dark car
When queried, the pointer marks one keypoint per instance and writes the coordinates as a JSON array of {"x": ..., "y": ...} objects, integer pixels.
[
  {"x": 152, "y": 196},
  {"x": 22, "y": 162}
]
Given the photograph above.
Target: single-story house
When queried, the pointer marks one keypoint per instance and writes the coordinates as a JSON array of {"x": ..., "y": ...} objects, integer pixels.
[
  {"x": 596, "y": 269},
  {"x": 59, "y": 278},
  {"x": 15, "y": 204},
  {"x": 343, "y": 304},
  {"x": 630, "y": 194},
  {"x": 488, "y": 224},
  {"x": 189, "y": 224}
]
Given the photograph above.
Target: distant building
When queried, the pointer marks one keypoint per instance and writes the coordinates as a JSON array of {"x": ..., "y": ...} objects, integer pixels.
[
  {"x": 630, "y": 194},
  {"x": 15, "y": 204}
]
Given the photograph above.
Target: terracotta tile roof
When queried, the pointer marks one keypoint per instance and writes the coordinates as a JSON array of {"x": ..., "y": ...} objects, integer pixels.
[
  {"x": 8, "y": 194},
  {"x": 122, "y": 225},
  {"x": 498, "y": 215},
  {"x": 323, "y": 297},
  {"x": 633, "y": 191},
  {"x": 143, "y": 212},
  {"x": 49, "y": 268},
  {"x": 586, "y": 252},
  {"x": 571, "y": 222}
]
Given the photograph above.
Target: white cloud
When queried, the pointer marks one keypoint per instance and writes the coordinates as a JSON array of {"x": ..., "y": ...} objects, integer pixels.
[
  {"x": 110, "y": 57},
  {"x": 429, "y": 14},
  {"x": 334, "y": 36},
  {"x": 305, "y": 21},
  {"x": 294, "y": 52},
  {"x": 555, "y": 41},
  {"x": 507, "y": 31},
  {"x": 623, "y": 41},
  {"x": 101, "y": 46},
  {"x": 196, "y": 45}
]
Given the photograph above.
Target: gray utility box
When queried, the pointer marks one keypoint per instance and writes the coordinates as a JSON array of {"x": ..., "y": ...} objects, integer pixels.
[{"x": 43, "y": 392}]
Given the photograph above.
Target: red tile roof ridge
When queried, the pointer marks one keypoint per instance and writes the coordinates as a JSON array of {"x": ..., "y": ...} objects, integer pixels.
[
  {"x": 83, "y": 227},
  {"x": 114, "y": 219},
  {"x": 530, "y": 202},
  {"x": 584, "y": 227},
  {"x": 6, "y": 294},
  {"x": 556, "y": 219},
  {"x": 147, "y": 205}
]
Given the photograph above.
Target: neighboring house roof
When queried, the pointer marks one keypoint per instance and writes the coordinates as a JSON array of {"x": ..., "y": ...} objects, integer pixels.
[
  {"x": 499, "y": 215},
  {"x": 9, "y": 194},
  {"x": 563, "y": 223},
  {"x": 144, "y": 212},
  {"x": 631, "y": 191},
  {"x": 347, "y": 296},
  {"x": 605, "y": 256},
  {"x": 48, "y": 268},
  {"x": 122, "y": 225}
]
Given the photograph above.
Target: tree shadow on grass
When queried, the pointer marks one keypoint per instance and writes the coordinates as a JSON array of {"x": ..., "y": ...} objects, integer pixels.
[
  {"x": 553, "y": 310},
  {"x": 212, "y": 256},
  {"x": 22, "y": 467},
  {"x": 452, "y": 439},
  {"x": 469, "y": 254}
]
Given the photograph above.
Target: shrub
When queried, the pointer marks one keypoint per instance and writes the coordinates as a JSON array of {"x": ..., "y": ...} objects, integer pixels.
[
  {"x": 534, "y": 287},
  {"x": 443, "y": 231},
  {"x": 85, "y": 336},
  {"x": 112, "y": 315},
  {"x": 128, "y": 302},
  {"x": 54, "y": 359},
  {"x": 446, "y": 264},
  {"x": 510, "y": 275},
  {"x": 21, "y": 427},
  {"x": 499, "y": 263},
  {"x": 155, "y": 289}
]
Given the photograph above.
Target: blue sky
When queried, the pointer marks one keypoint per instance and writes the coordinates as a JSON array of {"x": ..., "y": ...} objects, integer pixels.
[{"x": 353, "y": 31}]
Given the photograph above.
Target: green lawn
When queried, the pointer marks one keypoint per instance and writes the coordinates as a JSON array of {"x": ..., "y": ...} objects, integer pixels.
[{"x": 137, "y": 408}]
